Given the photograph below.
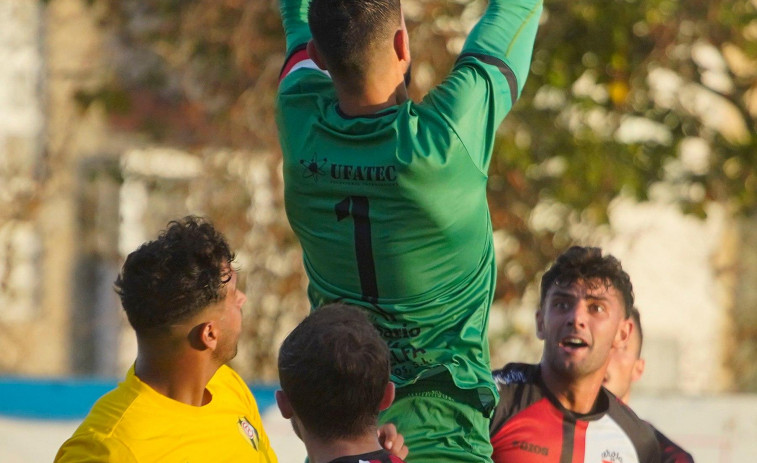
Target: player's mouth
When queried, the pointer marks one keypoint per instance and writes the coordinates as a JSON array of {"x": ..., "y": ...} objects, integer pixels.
[{"x": 573, "y": 343}]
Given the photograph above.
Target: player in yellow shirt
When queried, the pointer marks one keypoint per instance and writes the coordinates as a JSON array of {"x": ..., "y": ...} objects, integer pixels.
[{"x": 179, "y": 402}]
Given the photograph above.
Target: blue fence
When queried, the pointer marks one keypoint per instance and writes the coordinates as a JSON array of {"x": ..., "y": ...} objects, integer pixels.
[{"x": 71, "y": 398}]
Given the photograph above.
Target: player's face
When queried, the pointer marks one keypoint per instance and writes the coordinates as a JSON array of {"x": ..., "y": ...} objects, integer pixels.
[
  {"x": 624, "y": 367},
  {"x": 230, "y": 320},
  {"x": 580, "y": 324}
]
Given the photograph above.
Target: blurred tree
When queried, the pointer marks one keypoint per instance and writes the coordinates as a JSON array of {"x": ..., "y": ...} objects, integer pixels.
[
  {"x": 630, "y": 93},
  {"x": 192, "y": 72},
  {"x": 622, "y": 94}
]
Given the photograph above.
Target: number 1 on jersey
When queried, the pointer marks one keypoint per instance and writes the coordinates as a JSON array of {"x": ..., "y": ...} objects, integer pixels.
[{"x": 357, "y": 207}]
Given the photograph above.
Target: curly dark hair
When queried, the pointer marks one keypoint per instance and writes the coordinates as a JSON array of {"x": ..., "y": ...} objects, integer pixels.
[
  {"x": 346, "y": 32},
  {"x": 587, "y": 264},
  {"x": 334, "y": 368},
  {"x": 174, "y": 277}
]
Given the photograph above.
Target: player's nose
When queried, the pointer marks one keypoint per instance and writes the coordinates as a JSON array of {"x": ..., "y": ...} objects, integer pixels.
[{"x": 578, "y": 314}]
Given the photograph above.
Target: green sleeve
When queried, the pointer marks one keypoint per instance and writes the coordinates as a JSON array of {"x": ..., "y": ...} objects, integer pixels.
[
  {"x": 488, "y": 76},
  {"x": 506, "y": 32},
  {"x": 294, "y": 16}
]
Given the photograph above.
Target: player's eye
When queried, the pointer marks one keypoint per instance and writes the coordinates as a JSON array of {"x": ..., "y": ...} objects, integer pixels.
[
  {"x": 561, "y": 305},
  {"x": 598, "y": 308}
]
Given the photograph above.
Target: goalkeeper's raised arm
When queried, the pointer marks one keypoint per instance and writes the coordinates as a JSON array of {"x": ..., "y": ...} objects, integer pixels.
[
  {"x": 489, "y": 75},
  {"x": 506, "y": 32},
  {"x": 294, "y": 17}
]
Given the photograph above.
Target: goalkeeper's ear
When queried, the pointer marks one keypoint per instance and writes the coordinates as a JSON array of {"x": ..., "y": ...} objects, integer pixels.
[
  {"x": 401, "y": 43},
  {"x": 316, "y": 56}
]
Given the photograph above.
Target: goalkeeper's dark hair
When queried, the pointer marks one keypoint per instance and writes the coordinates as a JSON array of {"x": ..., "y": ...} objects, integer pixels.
[
  {"x": 174, "y": 277},
  {"x": 347, "y": 32},
  {"x": 588, "y": 265},
  {"x": 334, "y": 368}
]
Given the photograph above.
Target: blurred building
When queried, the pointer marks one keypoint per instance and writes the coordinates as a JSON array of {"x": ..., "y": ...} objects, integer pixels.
[{"x": 77, "y": 195}]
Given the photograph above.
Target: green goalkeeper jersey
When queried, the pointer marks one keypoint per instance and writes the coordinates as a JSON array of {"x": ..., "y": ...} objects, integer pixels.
[{"x": 391, "y": 208}]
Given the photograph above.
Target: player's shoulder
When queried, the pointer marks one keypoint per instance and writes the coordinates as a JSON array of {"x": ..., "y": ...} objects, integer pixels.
[
  {"x": 95, "y": 445},
  {"x": 671, "y": 452},
  {"x": 620, "y": 411},
  {"x": 226, "y": 373},
  {"x": 300, "y": 74},
  {"x": 475, "y": 72},
  {"x": 515, "y": 374},
  {"x": 226, "y": 384},
  {"x": 638, "y": 431},
  {"x": 520, "y": 387},
  {"x": 305, "y": 80},
  {"x": 93, "y": 448},
  {"x": 303, "y": 94},
  {"x": 484, "y": 64},
  {"x": 108, "y": 411}
]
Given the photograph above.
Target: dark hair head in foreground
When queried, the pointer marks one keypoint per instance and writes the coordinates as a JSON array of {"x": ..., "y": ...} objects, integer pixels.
[{"x": 334, "y": 372}]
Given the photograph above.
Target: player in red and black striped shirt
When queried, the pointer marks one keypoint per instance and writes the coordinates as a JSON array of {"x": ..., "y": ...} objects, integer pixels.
[
  {"x": 558, "y": 411},
  {"x": 334, "y": 374}
]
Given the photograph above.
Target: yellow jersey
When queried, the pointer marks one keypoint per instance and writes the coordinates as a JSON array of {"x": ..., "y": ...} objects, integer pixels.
[{"x": 134, "y": 423}]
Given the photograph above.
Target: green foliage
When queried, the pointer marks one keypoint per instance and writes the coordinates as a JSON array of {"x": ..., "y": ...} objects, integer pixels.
[{"x": 617, "y": 44}]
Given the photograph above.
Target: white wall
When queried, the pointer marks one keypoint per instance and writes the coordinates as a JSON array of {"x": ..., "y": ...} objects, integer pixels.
[{"x": 671, "y": 258}]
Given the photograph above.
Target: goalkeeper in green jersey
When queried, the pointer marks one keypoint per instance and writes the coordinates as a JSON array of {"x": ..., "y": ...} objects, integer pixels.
[{"x": 388, "y": 198}]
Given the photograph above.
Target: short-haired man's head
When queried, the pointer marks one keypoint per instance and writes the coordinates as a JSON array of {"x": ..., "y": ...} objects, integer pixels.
[
  {"x": 587, "y": 264},
  {"x": 334, "y": 369},
  {"x": 348, "y": 32},
  {"x": 174, "y": 277}
]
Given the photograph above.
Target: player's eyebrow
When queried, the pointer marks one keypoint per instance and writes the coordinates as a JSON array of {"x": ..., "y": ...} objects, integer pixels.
[
  {"x": 564, "y": 293},
  {"x": 602, "y": 297}
]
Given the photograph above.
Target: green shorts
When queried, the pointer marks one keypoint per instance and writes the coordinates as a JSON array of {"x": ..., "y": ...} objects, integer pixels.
[{"x": 439, "y": 423}]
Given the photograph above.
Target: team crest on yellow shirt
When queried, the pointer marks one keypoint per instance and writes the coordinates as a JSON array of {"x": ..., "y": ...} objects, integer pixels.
[{"x": 249, "y": 431}]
